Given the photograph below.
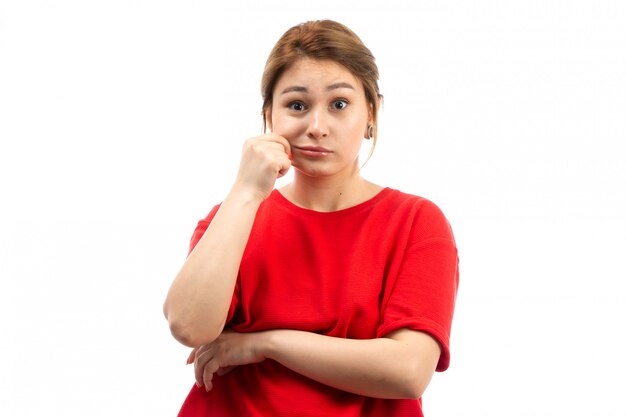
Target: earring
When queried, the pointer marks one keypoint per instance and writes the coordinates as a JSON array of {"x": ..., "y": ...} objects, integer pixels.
[{"x": 370, "y": 132}]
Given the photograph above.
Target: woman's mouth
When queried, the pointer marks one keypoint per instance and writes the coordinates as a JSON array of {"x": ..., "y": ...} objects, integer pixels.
[{"x": 312, "y": 151}]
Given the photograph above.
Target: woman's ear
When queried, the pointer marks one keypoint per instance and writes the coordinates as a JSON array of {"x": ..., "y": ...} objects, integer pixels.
[{"x": 370, "y": 120}]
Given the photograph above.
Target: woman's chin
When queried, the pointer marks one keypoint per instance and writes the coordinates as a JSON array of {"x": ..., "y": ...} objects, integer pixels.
[{"x": 323, "y": 172}]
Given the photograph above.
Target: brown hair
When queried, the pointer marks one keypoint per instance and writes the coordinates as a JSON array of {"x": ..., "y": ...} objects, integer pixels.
[{"x": 329, "y": 40}]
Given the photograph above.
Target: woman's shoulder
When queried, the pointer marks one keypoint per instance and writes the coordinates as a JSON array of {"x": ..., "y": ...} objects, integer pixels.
[
  {"x": 415, "y": 201},
  {"x": 423, "y": 215}
]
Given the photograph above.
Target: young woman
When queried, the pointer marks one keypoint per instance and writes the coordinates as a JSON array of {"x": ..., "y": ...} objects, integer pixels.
[{"x": 331, "y": 296}]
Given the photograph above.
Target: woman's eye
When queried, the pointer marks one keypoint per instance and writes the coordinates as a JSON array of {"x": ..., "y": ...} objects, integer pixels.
[
  {"x": 340, "y": 104},
  {"x": 296, "y": 106}
]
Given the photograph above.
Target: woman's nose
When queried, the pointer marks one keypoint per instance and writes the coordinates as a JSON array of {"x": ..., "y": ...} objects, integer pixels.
[{"x": 318, "y": 125}]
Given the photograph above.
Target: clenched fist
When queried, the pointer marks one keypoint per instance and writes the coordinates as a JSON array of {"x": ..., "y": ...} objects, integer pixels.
[{"x": 264, "y": 159}]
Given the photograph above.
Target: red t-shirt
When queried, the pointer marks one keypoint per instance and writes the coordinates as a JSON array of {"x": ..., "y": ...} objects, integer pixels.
[{"x": 359, "y": 273}]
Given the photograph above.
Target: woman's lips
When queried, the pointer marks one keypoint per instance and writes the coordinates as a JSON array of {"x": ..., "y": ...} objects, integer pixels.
[{"x": 313, "y": 151}]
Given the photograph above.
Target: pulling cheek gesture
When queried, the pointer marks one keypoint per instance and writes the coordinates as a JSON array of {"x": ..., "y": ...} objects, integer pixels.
[
  {"x": 264, "y": 159},
  {"x": 197, "y": 303}
]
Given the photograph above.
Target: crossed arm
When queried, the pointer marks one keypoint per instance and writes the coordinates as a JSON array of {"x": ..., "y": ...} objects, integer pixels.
[{"x": 397, "y": 366}]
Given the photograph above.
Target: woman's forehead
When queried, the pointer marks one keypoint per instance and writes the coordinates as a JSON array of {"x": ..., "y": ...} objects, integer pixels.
[{"x": 307, "y": 73}]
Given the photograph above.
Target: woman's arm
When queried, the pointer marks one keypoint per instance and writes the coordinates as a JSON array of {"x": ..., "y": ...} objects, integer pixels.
[
  {"x": 397, "y": 366},
  {"x": 198, "y": 300}
]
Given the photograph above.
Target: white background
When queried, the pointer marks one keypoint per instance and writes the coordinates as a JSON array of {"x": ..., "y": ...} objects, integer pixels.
[{"x": 121, "y": 124}]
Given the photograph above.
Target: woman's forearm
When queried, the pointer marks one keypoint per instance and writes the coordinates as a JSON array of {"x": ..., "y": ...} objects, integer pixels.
[
  {"x": 400, "y": 366},
  {"x": 198, "y": 300}
]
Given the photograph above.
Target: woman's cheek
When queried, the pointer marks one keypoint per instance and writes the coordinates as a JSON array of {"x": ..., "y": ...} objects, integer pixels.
[{"x": 289, "y": 128}]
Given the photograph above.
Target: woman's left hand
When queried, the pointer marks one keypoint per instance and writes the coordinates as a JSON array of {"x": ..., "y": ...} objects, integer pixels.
[{"x": 221, "y": 356}]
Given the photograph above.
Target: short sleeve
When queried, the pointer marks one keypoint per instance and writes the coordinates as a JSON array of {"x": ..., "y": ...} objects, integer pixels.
[
  {"x": 195, "y": 238},
  {"x": 423, "y": 294}
]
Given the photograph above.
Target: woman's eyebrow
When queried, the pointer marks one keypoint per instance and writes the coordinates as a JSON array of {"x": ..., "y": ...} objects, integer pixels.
[
  {"x": 339, "y": 85},
  {"x": 301, "y": 89},
  {"x": 296, "y": 88}
]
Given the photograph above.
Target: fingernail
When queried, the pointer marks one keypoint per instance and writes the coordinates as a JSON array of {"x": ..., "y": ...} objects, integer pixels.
[
  {"x": 290, "y": 156},
  {"x": 198, "y": 384}
]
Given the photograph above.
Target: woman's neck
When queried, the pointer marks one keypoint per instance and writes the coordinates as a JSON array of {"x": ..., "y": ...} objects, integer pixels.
[{"x": 329, "y": 194}]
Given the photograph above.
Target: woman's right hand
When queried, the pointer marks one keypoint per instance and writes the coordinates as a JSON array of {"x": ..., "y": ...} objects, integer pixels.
[{"x": 264, "y": 159}]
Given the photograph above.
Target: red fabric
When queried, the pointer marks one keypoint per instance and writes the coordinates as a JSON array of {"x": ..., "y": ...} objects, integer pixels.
[{"x": 360, "y": 273}]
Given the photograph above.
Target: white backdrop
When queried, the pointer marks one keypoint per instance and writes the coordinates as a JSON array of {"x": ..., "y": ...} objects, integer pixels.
[{"x": 121, "y": 124}]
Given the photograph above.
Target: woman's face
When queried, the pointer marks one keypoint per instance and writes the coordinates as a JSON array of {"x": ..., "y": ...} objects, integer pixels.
[{"x": 321, "y": 109}]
